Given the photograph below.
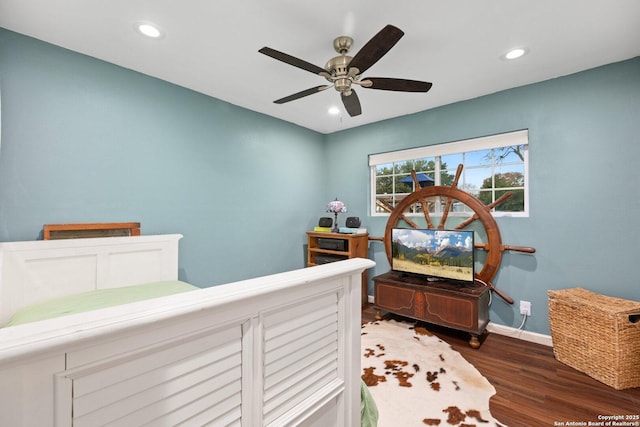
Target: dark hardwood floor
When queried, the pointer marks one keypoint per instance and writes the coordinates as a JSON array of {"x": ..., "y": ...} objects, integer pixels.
[{"x": 532, "y": 387}]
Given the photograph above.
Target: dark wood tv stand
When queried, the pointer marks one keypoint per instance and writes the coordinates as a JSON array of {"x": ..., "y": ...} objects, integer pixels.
[{"x": 461, "y": 307}]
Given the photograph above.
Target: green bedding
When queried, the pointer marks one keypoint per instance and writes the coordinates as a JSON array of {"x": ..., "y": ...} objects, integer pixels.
[
  {"x": 368, "y": 408},
  {"x": 97, "y": 299}
]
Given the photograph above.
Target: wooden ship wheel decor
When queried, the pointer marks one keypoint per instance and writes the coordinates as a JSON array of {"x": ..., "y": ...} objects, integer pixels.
[{"x": 432, "y": 305}]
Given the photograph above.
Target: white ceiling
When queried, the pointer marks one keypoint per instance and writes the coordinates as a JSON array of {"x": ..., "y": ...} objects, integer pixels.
[{"x": 212, "y": 46}]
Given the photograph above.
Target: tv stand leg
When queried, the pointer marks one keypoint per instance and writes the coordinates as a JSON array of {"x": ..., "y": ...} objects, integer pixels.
[
  {"x": 378, "y": 314},
  {"x": 474, "y": 342}
]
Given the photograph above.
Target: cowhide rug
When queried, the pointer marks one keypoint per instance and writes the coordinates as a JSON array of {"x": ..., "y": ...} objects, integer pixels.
[{"x": 416, "y": 379}]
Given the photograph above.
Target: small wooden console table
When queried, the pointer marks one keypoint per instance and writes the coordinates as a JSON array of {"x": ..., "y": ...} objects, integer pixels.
[
  {"x": 329, "y": 247},
  {"x": 461, "y": 307}
]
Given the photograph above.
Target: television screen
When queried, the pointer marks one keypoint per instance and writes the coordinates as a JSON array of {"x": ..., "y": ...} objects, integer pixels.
[{"x": 442, "y": 254}]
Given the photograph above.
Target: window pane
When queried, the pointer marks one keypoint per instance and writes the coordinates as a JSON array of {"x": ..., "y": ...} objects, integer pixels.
[
  {"x": 459, "y": 207},
  {"x": 509, "y": 176},
  {"x": 486, "y": 196},
  {"x": 515, "y": 153},
  {"x": 403, "y": 167},
  {"x": 451, "y": 161},
  {"x": 515, "y": 203},
  {"x": 446, "y": 178},
  {"x": 509, "y": 180},
  {"x": 469, "y": 188},
  {"x": 448, "y": 166},
  {"x": 382, "y": 201},
  {"x": 425, "y": 165},
  {"x": 477, "y": 158},
  {"x": 477, "y": 178},
  {"x": 384, "y": 185},
  {"x": 404, "y": 187},
  {"x": 384, "y": 169}
]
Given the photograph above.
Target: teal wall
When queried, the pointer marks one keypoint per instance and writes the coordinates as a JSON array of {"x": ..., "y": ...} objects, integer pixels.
[
  {"x": 584, "y": 152},
  {"x": 85, "y": 141}
]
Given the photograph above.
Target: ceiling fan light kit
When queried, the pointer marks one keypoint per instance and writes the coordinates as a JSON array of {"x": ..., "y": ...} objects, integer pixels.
[{"x": 344, "y": 71}]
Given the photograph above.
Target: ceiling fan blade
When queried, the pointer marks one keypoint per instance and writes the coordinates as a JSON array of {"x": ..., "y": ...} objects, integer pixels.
[
  {"x": 291, "y": 60},
  {"x": 301, "y": 94},
  {"x": 376, "y": 48},
  {"x": 400, "y": 85},
  {"x": 351, "y": 103}
]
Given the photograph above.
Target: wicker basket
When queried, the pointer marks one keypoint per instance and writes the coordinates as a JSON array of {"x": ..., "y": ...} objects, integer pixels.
[{"x": 597, "y": 334}]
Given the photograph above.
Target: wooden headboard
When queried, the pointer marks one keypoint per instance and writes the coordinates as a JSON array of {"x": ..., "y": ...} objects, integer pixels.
[{"x": 102, "y": 229}]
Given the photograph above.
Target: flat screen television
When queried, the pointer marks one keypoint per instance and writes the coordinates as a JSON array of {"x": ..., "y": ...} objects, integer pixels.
[{"x": 432, "y": 253}]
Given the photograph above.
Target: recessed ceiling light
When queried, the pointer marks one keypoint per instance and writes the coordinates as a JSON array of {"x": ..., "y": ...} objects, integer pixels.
[
  {"x": 515, "y": 53},
  {"x": 149, "y": 30},
  {"x": 334, "y": 111}
]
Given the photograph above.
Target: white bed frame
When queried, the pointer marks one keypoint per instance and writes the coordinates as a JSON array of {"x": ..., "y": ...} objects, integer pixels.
[{"x": 277, "y": 350}]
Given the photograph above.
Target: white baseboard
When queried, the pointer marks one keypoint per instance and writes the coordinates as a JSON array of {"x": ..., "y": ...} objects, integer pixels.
[
  {"x": 520, "y": 334},
  {"x": 508, "y": 331}
]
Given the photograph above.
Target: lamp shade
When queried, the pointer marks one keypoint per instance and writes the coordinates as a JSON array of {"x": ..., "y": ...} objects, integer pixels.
[{"x": 336, "y": 206}]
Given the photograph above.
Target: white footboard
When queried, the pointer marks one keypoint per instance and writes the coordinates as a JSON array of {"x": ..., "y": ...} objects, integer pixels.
[{"x": 275, "y": 351}]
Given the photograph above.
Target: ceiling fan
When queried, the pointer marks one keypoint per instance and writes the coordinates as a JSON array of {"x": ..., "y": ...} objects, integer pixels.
[{"x": 344, "y": 71}]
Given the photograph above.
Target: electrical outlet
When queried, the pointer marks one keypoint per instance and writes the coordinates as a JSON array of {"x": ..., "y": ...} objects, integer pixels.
[{"x": 525, "y": 308}]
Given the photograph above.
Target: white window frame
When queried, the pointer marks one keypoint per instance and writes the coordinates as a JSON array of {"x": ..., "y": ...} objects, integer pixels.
[{"x": 508, "y": 139}]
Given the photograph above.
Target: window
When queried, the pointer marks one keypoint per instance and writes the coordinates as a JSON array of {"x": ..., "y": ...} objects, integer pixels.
[{"x": 492, "y": 166}]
